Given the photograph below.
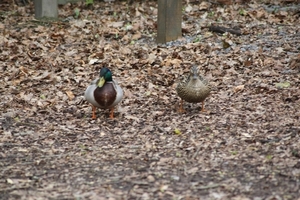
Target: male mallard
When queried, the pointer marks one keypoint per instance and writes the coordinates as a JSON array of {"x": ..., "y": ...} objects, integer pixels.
[
  {"x": 194, "y": 88},
  {"x": 104, "y": 92}
]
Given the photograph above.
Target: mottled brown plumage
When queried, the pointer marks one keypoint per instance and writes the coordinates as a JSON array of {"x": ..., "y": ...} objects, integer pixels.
[{"x": 194, "y": 88}]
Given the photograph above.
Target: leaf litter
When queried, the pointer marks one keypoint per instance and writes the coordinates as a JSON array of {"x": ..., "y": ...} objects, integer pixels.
[{"x": 247, "y": 146}]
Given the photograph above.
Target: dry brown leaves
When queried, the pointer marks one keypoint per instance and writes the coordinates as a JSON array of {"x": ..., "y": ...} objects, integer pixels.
[{"x": 247, "y": 146}]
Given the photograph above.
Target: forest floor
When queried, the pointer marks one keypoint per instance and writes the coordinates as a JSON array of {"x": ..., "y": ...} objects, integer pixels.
[{"x": 246, "y": 146}]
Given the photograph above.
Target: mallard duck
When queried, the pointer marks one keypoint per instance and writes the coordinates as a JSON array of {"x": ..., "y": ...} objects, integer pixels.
[
  {"x": 194, "y": 89},
  {"x": 104, "y": 92}
]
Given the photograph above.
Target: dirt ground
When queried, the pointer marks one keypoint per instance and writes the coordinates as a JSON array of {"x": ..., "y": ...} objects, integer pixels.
[{"x": 246, "y": 146}]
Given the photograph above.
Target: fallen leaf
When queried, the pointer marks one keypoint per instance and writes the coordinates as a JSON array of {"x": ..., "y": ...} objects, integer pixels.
[
  {"x": 239, "y": 88},
  {"x": 9, "y": 181},
  {"x": 188, "y": 8},
  {"x": 163, "y": 188},
  {"x": 177, "y": 131},
  {"x": 283, "y": 85},
  {"x": 116, "y": 24},
  {"x": 70, "y": 95}
]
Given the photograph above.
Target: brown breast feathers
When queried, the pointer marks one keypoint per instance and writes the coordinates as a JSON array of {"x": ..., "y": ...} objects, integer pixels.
[{"x": 106, "y": 95}]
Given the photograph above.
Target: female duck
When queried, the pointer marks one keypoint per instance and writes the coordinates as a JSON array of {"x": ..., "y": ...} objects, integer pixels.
[
  {"x": 194, "y": 89},
  {"x": 104, "y": 93}
]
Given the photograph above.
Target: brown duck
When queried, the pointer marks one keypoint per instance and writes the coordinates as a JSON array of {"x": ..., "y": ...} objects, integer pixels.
[{"x": 193, "y": 89}]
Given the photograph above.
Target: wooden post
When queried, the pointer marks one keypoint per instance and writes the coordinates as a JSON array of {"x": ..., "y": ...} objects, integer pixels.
[
  {"x": 45, "y": 8},
  {"x": 169, "y": 20}
]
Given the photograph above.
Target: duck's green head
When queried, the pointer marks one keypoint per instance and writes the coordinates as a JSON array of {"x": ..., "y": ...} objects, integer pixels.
[{"x": 105, "y": 75}]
